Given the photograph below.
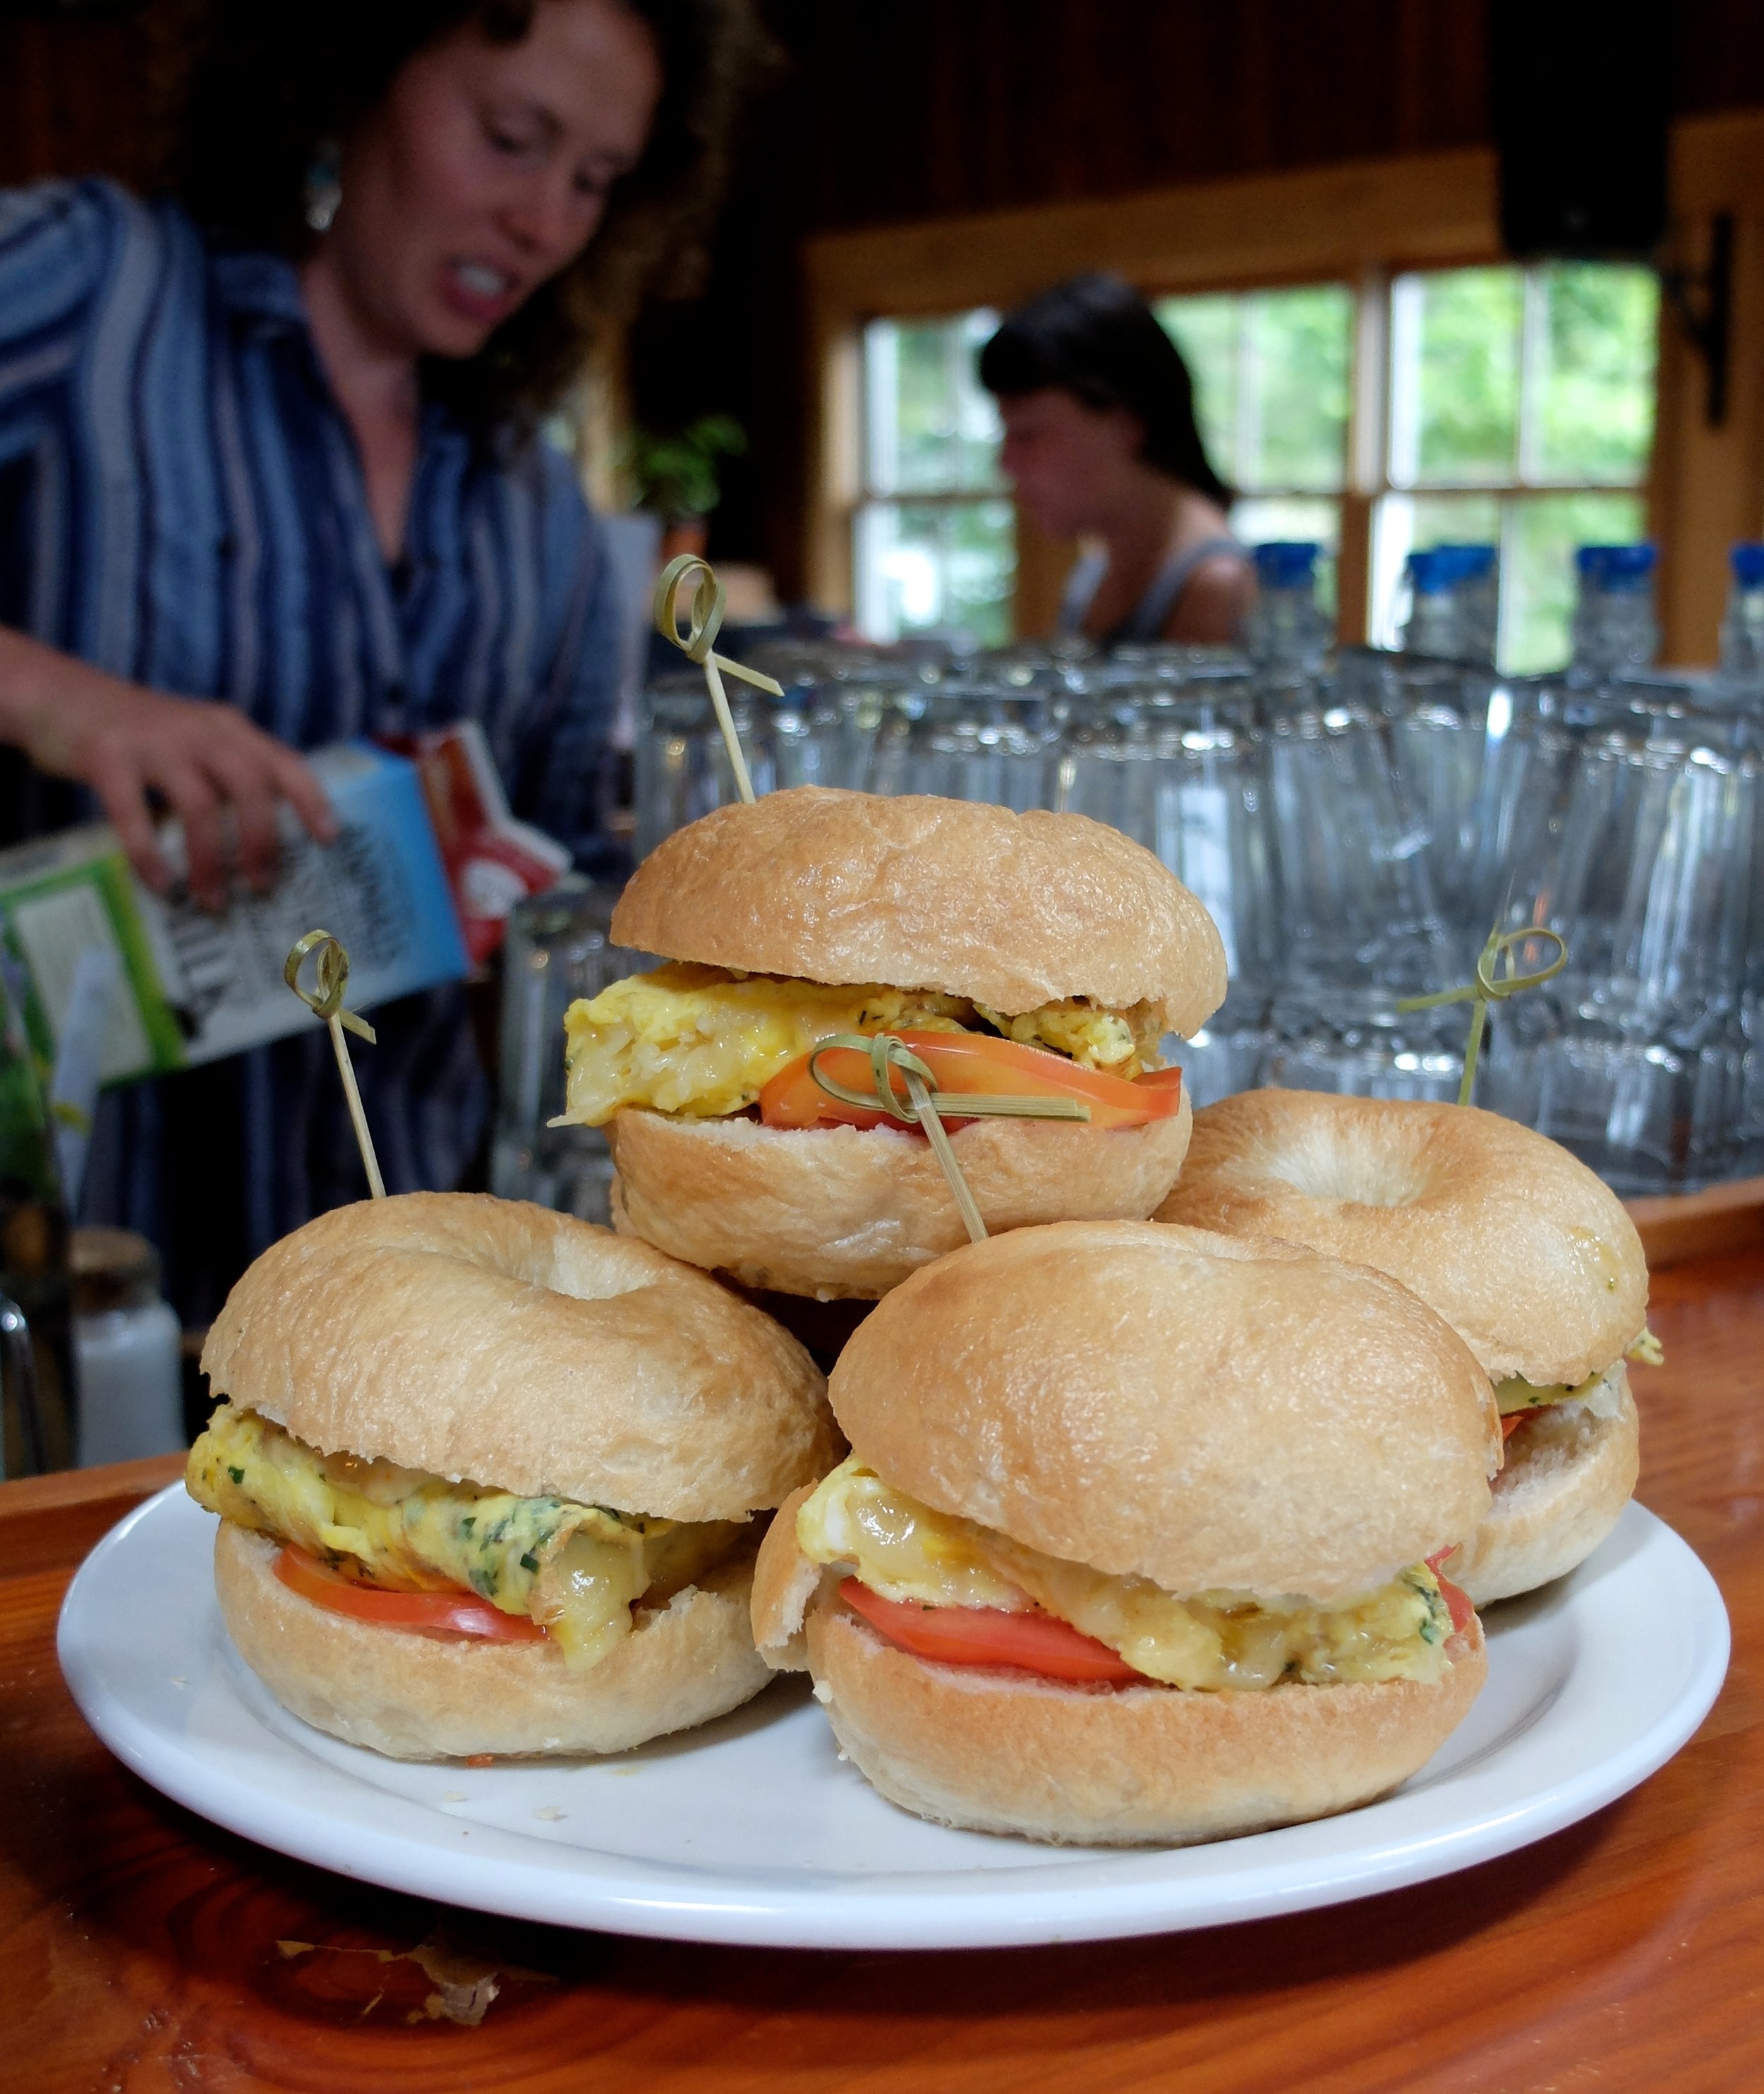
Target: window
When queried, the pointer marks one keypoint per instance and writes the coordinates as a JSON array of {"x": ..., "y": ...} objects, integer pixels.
[
  {"x": 1271, "y": 370},
  {"x": 935, "y": 542},
  {"x": 1519, "y": 414},
  {"x": 1515, "y": 407}
]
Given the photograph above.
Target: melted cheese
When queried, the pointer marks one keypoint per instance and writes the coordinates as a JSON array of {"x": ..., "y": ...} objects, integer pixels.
[
  {"x": 576, "y": 1568},
  {"x": 1601, "y": 1391},
  {"x": 905, "y": 1551},
  {"x": 701, "y": 1042}
]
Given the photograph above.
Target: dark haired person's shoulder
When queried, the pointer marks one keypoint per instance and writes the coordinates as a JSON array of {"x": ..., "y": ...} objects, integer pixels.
[{"x": 1215, "y": 599}]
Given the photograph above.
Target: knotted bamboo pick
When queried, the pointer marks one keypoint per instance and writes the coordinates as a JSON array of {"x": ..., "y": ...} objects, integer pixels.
[
  {"x": 326, "y": 1001},
  {"x": 1490, "y": 987},
  {"x": 887, "y": 1051},
  {"x": 704, "y": 615}
]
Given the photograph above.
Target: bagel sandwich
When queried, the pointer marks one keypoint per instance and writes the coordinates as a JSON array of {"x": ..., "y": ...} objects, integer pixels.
[
  {"x": 1134, "y": 1545},
  {"x": 1035, "y": 953},
  {"x": 1525, "y": 1252},
  {"x": 491, "y": 1481}
]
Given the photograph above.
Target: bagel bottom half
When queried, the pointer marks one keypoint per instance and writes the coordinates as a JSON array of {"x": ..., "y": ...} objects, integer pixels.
[
  {"x": 421, "y": 1697},
  {"x": 1569, "y": 1473},
  {"x": 849, "y": 1212},
  {"x": 1001, "y": 1752}
]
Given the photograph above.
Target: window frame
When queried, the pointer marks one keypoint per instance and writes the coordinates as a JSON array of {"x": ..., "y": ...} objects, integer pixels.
[{"x": 1362, "y": 224}]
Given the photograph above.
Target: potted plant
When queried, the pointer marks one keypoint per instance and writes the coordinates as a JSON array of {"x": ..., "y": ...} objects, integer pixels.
[{"x": 676, "y": 476}]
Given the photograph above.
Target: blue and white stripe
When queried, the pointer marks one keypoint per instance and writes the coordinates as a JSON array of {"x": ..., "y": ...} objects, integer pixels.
[{"x": 181, "y": 503}]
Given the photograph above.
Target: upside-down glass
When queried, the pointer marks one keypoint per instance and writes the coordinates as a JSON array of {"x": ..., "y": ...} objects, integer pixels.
[
  {"x": 1358, "y": 924},
  {"x": 1635, "y": 832},
  {"x": 557, "y": 949}
]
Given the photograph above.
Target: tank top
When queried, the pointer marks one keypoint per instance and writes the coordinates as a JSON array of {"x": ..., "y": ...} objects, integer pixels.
[{"x": 1147, "y": 618}]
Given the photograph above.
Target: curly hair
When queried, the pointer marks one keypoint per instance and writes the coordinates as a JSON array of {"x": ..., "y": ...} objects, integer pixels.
[{"x": 257, "y": 89}]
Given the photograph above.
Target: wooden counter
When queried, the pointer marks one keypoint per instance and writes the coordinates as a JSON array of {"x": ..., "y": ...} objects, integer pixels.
[{"x": 141, "y": 1948}]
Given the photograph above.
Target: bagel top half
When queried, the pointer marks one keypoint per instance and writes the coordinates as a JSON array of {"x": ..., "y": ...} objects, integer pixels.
[
  {"x": 1200, "y": 1411},
  {"x": 1011, "y": 910},
  {"x": 812, "y": 913},
  {"x": 473, "y": 1338},
  {"x": 1527, "y": 1254}
]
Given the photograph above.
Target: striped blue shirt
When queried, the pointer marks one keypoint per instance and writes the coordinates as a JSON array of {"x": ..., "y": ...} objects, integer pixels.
[{"x": 182, "y": 503}]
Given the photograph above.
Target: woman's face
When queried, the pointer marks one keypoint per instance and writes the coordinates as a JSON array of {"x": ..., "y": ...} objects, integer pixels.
[
  {"x": 1070, "y": 464},
  {"x": 486, "y": 170}
]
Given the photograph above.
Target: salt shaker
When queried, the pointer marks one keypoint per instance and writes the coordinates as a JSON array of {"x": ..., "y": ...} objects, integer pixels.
[{"x": 128, "y": 1351}]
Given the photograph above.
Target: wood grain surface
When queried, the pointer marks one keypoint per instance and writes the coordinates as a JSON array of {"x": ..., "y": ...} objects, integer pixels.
[{"x": 141, "y": 1948}]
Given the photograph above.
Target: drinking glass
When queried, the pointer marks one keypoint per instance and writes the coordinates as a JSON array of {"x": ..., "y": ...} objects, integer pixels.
[
  {"x": 558, "y": 949},
  {"x": 1634, "y": 835}
]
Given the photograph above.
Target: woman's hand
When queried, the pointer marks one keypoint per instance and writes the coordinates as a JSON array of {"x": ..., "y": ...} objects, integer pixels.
[{"x": 222, "y": 777}]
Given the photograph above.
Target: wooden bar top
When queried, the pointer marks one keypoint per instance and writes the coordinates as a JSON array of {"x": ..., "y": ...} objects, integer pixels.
[{"x": 141, "y": 1948}]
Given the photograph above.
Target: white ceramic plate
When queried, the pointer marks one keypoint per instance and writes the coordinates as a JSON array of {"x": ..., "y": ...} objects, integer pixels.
[{"x": 752, "y": 1830}]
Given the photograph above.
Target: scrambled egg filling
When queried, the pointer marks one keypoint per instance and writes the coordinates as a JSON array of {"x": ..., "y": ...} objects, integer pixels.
[
  {"x": 1601, "y": 1392},
  {"x": 576, "y": 1568},
  {"x": 905, "y": 1551},
  {"x": 703, "y": 1042}
]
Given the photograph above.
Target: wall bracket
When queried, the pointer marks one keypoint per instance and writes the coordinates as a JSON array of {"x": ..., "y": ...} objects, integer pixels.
[{"x": 1703, "y": 300}]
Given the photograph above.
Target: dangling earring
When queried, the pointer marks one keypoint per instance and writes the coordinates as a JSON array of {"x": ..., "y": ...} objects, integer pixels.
[{"x": 324, "y": 185}]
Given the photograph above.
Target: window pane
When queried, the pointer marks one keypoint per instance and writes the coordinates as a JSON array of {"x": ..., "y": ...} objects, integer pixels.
[
  {"x": 947, "y": 566},
  {"x": 1537, "y": 579},
  {"x": 1271, "y": 373},
  {"x": 1455, "y": 342},
  {"x": 1296, "y": 345},
  {"x": 1593, "y": 414},
  {"x": 1205, "y": 331},
  {"x": 930, "y": 426}
]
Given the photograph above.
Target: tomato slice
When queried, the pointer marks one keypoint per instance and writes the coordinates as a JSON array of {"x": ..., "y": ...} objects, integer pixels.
[
  {"x": 980, "y": 1064},
  {"x": 1512, "y": 1420},
  {"x": 452, "y": 1612},
  {"x": 989, "y": 1636},
  {"x": 1456, "y": 1598}
]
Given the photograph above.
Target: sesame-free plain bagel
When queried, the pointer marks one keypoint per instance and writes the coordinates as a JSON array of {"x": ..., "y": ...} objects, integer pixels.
[
  {"x": 424, "y": 1697},
  {"x": 1159, "y": 1406},
  {"x": 1205, "y": 1411},
  {"x": 1012, "y": 911},
  {"x": 1526, "y": 1254},
  {"x": 495, "y": 1340},
  {"x": 848, "y": 1213},
  {"x": 466, "y": 1394}
]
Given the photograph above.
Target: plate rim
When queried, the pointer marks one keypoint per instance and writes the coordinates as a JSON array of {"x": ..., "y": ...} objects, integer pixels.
[{"x": 672, "y": 1900}]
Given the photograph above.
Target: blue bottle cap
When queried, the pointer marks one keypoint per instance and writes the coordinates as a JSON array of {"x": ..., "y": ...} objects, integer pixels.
[
  {"x": 1468, "y": 563},
  {"x": 1286, "y": 562},
  {"x": 1617, "y": 568},
  {"x": 1749, "y": 566},
  {"x": 1430, "y": 571}
]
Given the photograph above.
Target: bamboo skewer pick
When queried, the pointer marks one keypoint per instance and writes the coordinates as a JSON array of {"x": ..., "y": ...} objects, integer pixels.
[
  {"x": 326, "y": 1001},
  {"x": 704, "y": 615},
  {"x": 1491, "y": 986},
  {"x": 887, "y": 1051}
]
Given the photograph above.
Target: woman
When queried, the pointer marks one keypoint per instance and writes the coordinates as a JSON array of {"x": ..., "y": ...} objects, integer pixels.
[
  {"x": 1101, "y": 441},
  {"x": 270, "y": 476}
]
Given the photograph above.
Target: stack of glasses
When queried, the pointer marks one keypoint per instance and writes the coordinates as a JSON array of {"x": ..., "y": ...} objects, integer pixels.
[{"x": 1356, "y": 823}]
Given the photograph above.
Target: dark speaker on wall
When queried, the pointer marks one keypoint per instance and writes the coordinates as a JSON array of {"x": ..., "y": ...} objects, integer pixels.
[{"x": 1582, "y": 94}]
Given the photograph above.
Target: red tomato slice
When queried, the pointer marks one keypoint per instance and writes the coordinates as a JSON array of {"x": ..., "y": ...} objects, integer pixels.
[
  {"x": 1514, "y": 1419},
  {"x": 980, "y": 1064},
  {"x": 988, "y": 1635},
  {"x": 454, "y": 1612},
  {"x": 1463, "y": 1614}
]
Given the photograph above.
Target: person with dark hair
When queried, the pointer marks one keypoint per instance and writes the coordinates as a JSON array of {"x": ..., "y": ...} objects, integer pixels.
[
  {"x": 272, "y": 473},
  {"x": 1101, "y": 441}
]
